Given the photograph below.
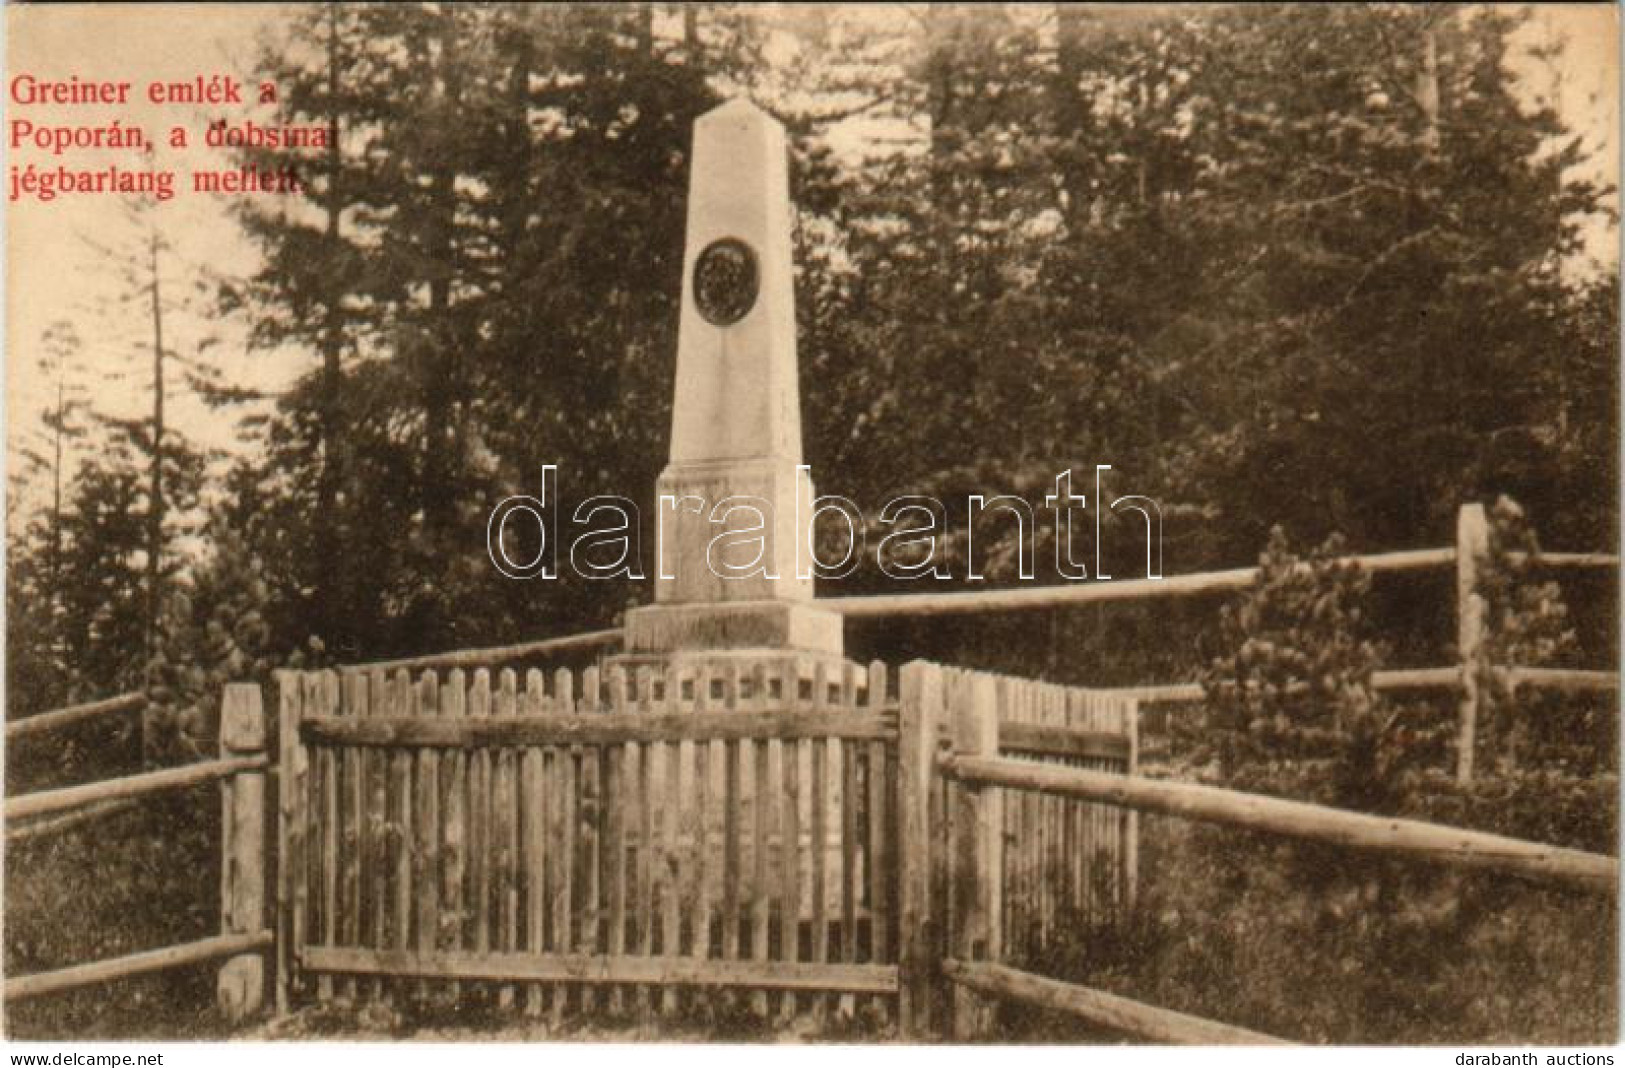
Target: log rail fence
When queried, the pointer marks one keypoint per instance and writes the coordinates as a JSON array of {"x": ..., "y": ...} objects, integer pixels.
[
  {"x": 981, "y": 781},
  {"x": 794, "y": 837},
  {"x": 244, "y": 937},
  {"x": 794, "y": 841},
  {"x": 1466, "y": 556}
]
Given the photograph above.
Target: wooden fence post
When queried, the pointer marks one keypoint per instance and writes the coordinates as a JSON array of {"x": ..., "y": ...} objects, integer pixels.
[
  {"x": 919, "y": 705},
  {"x": 975, "y": 852},
  {"x": 240, "y": 989},
  {"x": 1129, "y": 710},
  {"x": 290, "y": 835},
  {"x": 1472, "y": 544}
]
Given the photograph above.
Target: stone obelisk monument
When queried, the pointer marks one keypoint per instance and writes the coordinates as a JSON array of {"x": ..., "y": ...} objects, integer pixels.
[{"x": 736, "y": 416}]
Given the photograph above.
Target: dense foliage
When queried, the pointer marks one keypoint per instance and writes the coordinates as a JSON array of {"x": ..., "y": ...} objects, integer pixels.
[
  {"x": 1308, "y": 267},
  {"x": 1205, "y": 247}
]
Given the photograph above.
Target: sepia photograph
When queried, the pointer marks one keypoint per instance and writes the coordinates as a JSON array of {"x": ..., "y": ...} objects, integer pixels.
[{"x": 871, "y": 525}]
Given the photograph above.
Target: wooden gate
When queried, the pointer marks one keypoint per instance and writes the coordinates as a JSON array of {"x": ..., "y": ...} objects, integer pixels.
[
  {"x": 628, "y": 841},
  {"x": 616, "y": 846}
]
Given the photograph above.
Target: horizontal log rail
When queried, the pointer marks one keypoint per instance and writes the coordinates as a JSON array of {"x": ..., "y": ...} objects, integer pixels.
[
  {"x": 1569, "y": 559},
  {"x": 1434, "y": 678},
  {"x": 1562, "y": 679},
  {"x": 1535, "y": 861},
  {"x": 207, "y": 949},
  {"x": 67, "y": 821},
  {"x": 1440, "y": 678},
  {"x": 596, "y": 728},
  {"x": 1399, "y": 679},
  {"x": 61, "y": 717},
  {"x": 1062, "y": 741},
  {"x": 49, "y": 801},
  {"x": 1098, "y": 1007},
  {"x": 561, "y": 968},
  {"x": 495, "y": 654},
  {"x": 1168, "y": 693},
  {"x": 1195, "y": 584},
  {"x": 1061, "y": 596}
]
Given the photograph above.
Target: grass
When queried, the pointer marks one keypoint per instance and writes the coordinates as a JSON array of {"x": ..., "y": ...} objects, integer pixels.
[
  {"x": 139, "y": 879},
  {"x": 1319, "y": 945}
]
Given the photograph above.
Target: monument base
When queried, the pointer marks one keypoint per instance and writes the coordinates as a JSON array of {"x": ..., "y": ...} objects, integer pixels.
[{"x": 759, "y": 626}]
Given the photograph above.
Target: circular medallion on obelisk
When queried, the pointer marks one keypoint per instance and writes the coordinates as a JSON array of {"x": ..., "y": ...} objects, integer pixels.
[{"x": 725, "y": 281}]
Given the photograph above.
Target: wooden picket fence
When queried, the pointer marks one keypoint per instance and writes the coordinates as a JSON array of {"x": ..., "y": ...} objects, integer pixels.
[
  {"x": 976, "y": 946},
  {"x": 648, "y": 837},
  {"x": 794, "y": 839},
  {"x": 1064, "y": 861},
  {"x": 646, "y": 833}
]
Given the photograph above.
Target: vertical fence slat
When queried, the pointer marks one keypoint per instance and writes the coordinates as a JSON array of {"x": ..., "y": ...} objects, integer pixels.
[
  {"x": 426, "y": 855},
  {"x": 878, "y": 865},
  {"x": 240, "y": 983},
  {"x": 1130, "y": 711},
  {"x": 532, "y": 817},
  {"x": 352, "y": 800},
  {"x": 615, "y": 843},
  {"x": 1031, "y": 830},
  {"x": 1084, "y": 815},
  {"x": 663, "y": 890},
  {"x": 378, "y": 772},
  {"x": 479, "y": 820},
  {"x": 504, "y": 833},
  {"x": 688, "y": 841},
  {"x": 560, "y": 860},
  {"x": 569, "y": 852},
  {"x": 290, "y": 823},
  {"x": 1048, "y": 873},
  {"x": 453, "y": 787},
  {"x": 324, "y": 783},
  {"x": 877, "y": 862},
  {"x": 848, "y": 751},
  {"x": 818, "y": 845},
  {"x": 453, "y": 807},
  {"x": 730, "y": 830},
  {"x": 592, "y": 767},
  {"x": 790, "y": 757},
  {"x": 363, "y": 897},
  {"x": 506, "y": 826},
  {"x": 1076, "y": 717},
  {"x": 701, "y": 942},
  {"x": 400, "y": 704},
  {"x": 761, "y": 806},
  {"x": 643, "y": 897}
]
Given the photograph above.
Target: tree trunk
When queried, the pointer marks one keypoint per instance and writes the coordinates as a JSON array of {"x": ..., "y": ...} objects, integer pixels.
[
  {"x": 1427, "y": 89},
  {"x": 155, "y": 504},
  {"x": 332, "y": 345},
  {"x": 1071, "y": 109},
  {"x": 444, "y": 383},
  {"x": 56, "y": 494},
  {"x": 942, "y": 33}
]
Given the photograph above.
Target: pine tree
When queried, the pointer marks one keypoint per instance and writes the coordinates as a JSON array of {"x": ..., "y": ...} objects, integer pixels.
[{"x": 504, "y": 266}]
